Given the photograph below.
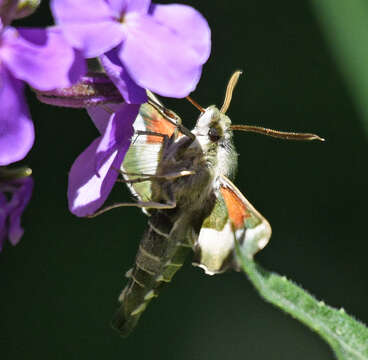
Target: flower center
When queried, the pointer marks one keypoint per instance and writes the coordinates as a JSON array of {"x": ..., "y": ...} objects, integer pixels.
[{"x": 122, "y": 19}]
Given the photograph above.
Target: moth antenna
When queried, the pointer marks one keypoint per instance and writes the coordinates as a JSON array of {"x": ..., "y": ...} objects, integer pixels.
[
  {"x": 193, "y": 102},
  {"x": 277, "y": 134},
  {"x": 229, "y": 90}
]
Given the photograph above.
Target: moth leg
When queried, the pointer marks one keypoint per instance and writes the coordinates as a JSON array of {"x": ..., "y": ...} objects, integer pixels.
[
  {"x": 140, "y": 204},
  {"x": 134, "y": 181},
  {"x": 150, "y": 177},
  {"x": 152, "y": 133},
  {"x": 186, "y": 131},
  {"x": 165, "y": 141}
]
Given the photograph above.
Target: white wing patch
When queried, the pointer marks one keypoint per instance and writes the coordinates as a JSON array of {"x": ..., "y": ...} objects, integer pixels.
[{"x": 216, "y": 247}]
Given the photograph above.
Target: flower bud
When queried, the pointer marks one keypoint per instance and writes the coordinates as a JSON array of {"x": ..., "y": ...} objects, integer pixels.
[
  {"x": 9, "y": 173},
  {"x": 93, "y": 89},
  {"x": 26, "y": 8}
]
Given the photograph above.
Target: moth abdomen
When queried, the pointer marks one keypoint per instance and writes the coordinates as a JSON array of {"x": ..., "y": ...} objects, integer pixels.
[
  {"x": 157, "y": 261},
  {"x": 134, "y": 299}
]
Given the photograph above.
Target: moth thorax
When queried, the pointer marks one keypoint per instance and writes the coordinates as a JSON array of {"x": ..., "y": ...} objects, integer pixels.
[{"x": 214, "y": 135}]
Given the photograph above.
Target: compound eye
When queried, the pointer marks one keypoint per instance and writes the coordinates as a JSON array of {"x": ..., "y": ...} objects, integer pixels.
[{"x": 213, "y": 134}]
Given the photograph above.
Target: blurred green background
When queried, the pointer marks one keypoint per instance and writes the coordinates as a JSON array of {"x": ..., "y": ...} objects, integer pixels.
[{"x": 58, "y": 287}]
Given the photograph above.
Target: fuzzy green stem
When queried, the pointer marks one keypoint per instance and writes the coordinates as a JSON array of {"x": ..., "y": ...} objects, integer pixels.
[{"x": 347, "y": 336}]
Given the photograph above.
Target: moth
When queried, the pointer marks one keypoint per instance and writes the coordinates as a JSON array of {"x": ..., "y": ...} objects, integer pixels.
[{"x": 183, "y": 182}]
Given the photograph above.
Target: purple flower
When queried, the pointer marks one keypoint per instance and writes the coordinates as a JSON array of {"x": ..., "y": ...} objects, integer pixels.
[
  {"x": 142, "y": 45},
  {"x": 95, "y": 171},
  {"x": 43, "y": 59},
  {"x": 14, "y": 197}
]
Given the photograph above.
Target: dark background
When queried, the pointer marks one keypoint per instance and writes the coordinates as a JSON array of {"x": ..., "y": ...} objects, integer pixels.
[{"x": 58, "y": 287}]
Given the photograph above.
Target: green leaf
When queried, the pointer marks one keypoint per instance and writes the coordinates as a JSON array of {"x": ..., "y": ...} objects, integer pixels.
[{"x": 347, "y": 336}]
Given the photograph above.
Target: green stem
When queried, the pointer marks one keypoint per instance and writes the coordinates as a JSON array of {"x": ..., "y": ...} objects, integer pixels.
[{"x": 347, "y": 336}]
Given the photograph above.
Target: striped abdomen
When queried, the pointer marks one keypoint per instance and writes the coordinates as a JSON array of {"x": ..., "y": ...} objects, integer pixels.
[{"x": 161, "y": 254}]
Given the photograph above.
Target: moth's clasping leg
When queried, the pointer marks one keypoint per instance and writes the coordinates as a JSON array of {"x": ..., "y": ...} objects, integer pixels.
[
  {"x": 149, "y": 177},
  {"x": 140, "y": 204}
]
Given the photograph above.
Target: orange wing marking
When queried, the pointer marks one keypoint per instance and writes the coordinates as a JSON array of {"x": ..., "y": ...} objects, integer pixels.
[
  {"x": 160, "y": 125},
  {"x": 235, "y": 207}
]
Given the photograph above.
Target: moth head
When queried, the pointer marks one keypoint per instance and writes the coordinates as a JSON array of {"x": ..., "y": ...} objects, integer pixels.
[{"x": 213, "y": 122}]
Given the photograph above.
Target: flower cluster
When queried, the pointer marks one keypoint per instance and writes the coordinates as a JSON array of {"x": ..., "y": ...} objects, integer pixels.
[
  {"x": 140, "y": 45},
  {"x": 43, "y": 59}
]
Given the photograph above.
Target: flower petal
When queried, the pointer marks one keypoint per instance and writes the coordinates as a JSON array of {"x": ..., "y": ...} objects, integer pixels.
[
  {"x": 159, "y": 59},
  {"x": 125, "y": 6},
  {"x": 188, "y": 23},
  {"x": 89, "y": 186},
  {"x": 88, "y": 25},
  {"x": 16, "y": 207},
  {"x": 16, "y": 127},
  {"x": 42, "y": 57},
  {"x": 139, "y": 6},
  {"x": 86, "y": 190},
  {"x": 131, "y": 92},
  {"x": 78, "y": 68},
  {"x": 101, "y": 116},
  {"x": 118, "y": 132}
]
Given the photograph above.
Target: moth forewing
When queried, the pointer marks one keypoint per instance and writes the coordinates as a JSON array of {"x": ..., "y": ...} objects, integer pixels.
[
  {"x": 252, "y": 230},
  {"x": 145, "y": 151},
  {"x": 232, "y": 219}
]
